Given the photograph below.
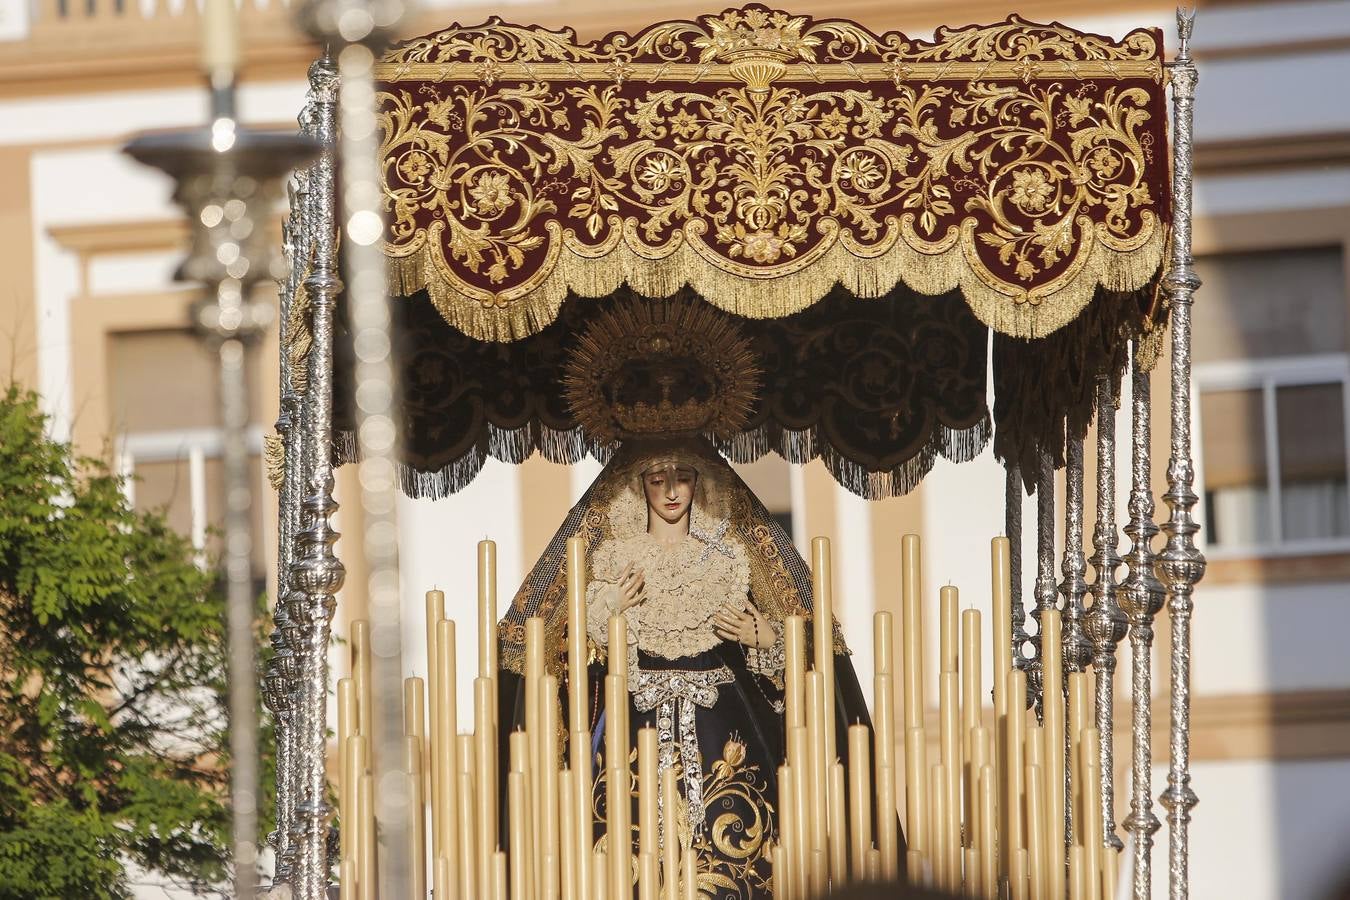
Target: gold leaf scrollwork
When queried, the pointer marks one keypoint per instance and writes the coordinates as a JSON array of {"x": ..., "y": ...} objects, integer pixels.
[{"x": 1026, "y": 192}]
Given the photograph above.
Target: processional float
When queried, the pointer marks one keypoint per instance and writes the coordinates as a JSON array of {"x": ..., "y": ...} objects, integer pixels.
[{"x": 871, "y": 213}]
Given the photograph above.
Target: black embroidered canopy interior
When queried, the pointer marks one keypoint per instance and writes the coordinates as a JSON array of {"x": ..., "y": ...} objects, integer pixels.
[{"x": 871, "y": 211}]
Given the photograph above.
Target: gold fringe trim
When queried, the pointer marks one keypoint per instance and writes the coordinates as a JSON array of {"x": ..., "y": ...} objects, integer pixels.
[{"x": 1008, "y": 309}]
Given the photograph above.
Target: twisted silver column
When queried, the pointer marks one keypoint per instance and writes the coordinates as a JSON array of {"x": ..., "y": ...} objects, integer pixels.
[
  {"x": 282, "y": 677},
  {"x": 1076, "y": 649},
  {"x": 1181, "y": 565},
  {"x": 1045, "y": 591},
  {"x": 1104, "y": 624},
  {"x": 1141, "y": 598},
  {"x": 316, "y": 574}
]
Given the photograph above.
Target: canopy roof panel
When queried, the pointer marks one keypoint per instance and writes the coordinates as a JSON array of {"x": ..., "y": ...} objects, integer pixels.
[{"x": 763, "y": 158}]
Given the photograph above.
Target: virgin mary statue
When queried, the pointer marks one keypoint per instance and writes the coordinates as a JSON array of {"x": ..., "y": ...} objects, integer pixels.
[{"x": 703, "y": 574}]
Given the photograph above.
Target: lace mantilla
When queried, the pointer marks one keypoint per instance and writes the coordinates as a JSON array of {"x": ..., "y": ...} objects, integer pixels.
[{"x": 686, "y": 583}]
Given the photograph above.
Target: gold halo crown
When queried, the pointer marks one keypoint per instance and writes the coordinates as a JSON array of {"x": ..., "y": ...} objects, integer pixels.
[{"x": 661, "y": 367}]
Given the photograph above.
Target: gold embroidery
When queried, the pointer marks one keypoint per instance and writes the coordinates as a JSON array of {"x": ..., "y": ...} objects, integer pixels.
[{"x": 1025, "y": 193}]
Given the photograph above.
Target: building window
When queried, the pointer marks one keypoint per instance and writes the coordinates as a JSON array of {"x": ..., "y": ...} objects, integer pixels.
[
  {"x": 164, "y": 408},
  {"x": 1271, "y": 373}
]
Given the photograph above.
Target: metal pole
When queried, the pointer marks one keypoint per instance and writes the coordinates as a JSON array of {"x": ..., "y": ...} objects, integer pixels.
[
  {"x": 1077, "y": 651},
  {"x": 1104, "y": 624},
  {"x": 1141, "y": 598},
  {"x": 1181, "y": 565},
  {"x": 317, "y": 574},
  {"x": 1046, "y": 595}
]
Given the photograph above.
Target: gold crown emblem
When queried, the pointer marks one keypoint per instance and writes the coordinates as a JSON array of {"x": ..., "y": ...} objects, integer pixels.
[{"x": 661, "y": 367}]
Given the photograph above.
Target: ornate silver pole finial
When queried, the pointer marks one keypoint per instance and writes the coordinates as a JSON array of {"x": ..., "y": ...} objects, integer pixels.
[
  {"x": 1141, "y": 598},
  {"x": 227, "y": 183},
  {"x": 1180, "y": 566},
  {"x": 1105, "y": 624}
]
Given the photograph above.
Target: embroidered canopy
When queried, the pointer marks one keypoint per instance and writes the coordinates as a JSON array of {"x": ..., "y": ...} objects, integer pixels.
[
  {"x": 761, "y": 158},
  {"x": 1011, "y": 178}
]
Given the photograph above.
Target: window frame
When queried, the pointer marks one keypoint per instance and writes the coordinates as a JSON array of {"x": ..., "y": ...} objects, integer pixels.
[{"x": 1267, "y": 375}]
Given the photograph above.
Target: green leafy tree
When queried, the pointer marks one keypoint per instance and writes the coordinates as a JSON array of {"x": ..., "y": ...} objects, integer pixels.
[{"x": 113, "y": 734}]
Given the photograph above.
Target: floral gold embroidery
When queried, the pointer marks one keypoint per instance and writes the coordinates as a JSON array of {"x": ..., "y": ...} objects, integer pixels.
[{"x": 763, "y": 157}]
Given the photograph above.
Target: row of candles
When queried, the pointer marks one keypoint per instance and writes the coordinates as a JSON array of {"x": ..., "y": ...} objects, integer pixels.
[{"x": 986, "y": 819}]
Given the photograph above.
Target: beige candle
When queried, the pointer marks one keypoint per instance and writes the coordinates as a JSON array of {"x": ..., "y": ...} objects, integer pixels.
[
  {"x": 485, "y": 764},
  {"x": 1089, "y": 821},
  {"x": 949, "y": 630},
  {"x": 549, "y": 762},
  {"x": 360, "y": 638},
  {"x": 819, "y": 771},
  {"x": 1110, "y": 863},
  {"x": 347, "y": 880},
  {"x": 618, "y": 665},
  {"x": 648, "y": 786},
  {"x": 838, "y": 826},
  {"x": 440, "y": 877},
  {"x": 346, "y": 720},
  {"x": 794, "y": 671},
  {"x": 1017, "y": 881},
  {"x": 979, "y": 758},
  {"x": 417, "y": 821},
  {"x": 618, "y": 812},
  {"x": 499, "y": 875},
  {"x": 911, "y": 628},
  {"x": 799, "y": 749},
  {"x": 1079, "y": 718},
  {"x": 859, "y": 796},
  {"x": 883, "y": 690},
  {"x": 568, "y": 837},
  {"x": 600, "y": 866},
  {"x": 972, "y": 704},
  {"x": 515, "y": 788},
  {"x": 1077, "y": 881},
  {"x": 1016, "y": 738},
  {"x": 916, "y": 790},
  {"x": 220, "y": 41},
  {"x": 1054, "y": 717},
  {"x": 690, "y": 875},
  {"x": 366, "y": 872},
  {"x": 1001, "y": 586},
  {"x": 787, "y": 830},
  {"x": 872, "y": 866},
  {"x": 1037, "y": 857},
  {"x": 582, "y": 792},
  {"x": 778, "y": 879},
  {"x": 487, "y": 609},
  {"x": 578, "y": 699},
  {"x": 822, "y": 585},
  {"x": 670, "y": 844},
  {"x": 949, "y": 743},
  {"x": 534, "y": 730},
  {"x": 446, "y": 750},
  {"x": 887, "y": 824},
  {"x": 468, "y": 837},
  {"x": 648, "y": 883},
  {"x": 937, "y": 778},
  {"x": 988, "y": 789}
]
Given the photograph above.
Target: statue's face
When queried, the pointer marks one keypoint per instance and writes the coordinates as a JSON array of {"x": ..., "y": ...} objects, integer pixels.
[{"x": 670, "y": 490}]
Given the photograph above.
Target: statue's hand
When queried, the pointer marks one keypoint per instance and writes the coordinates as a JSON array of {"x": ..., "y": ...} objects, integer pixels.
[
  {"x": 747, "y": 626},
  {"x": 632, "y": 588}
]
